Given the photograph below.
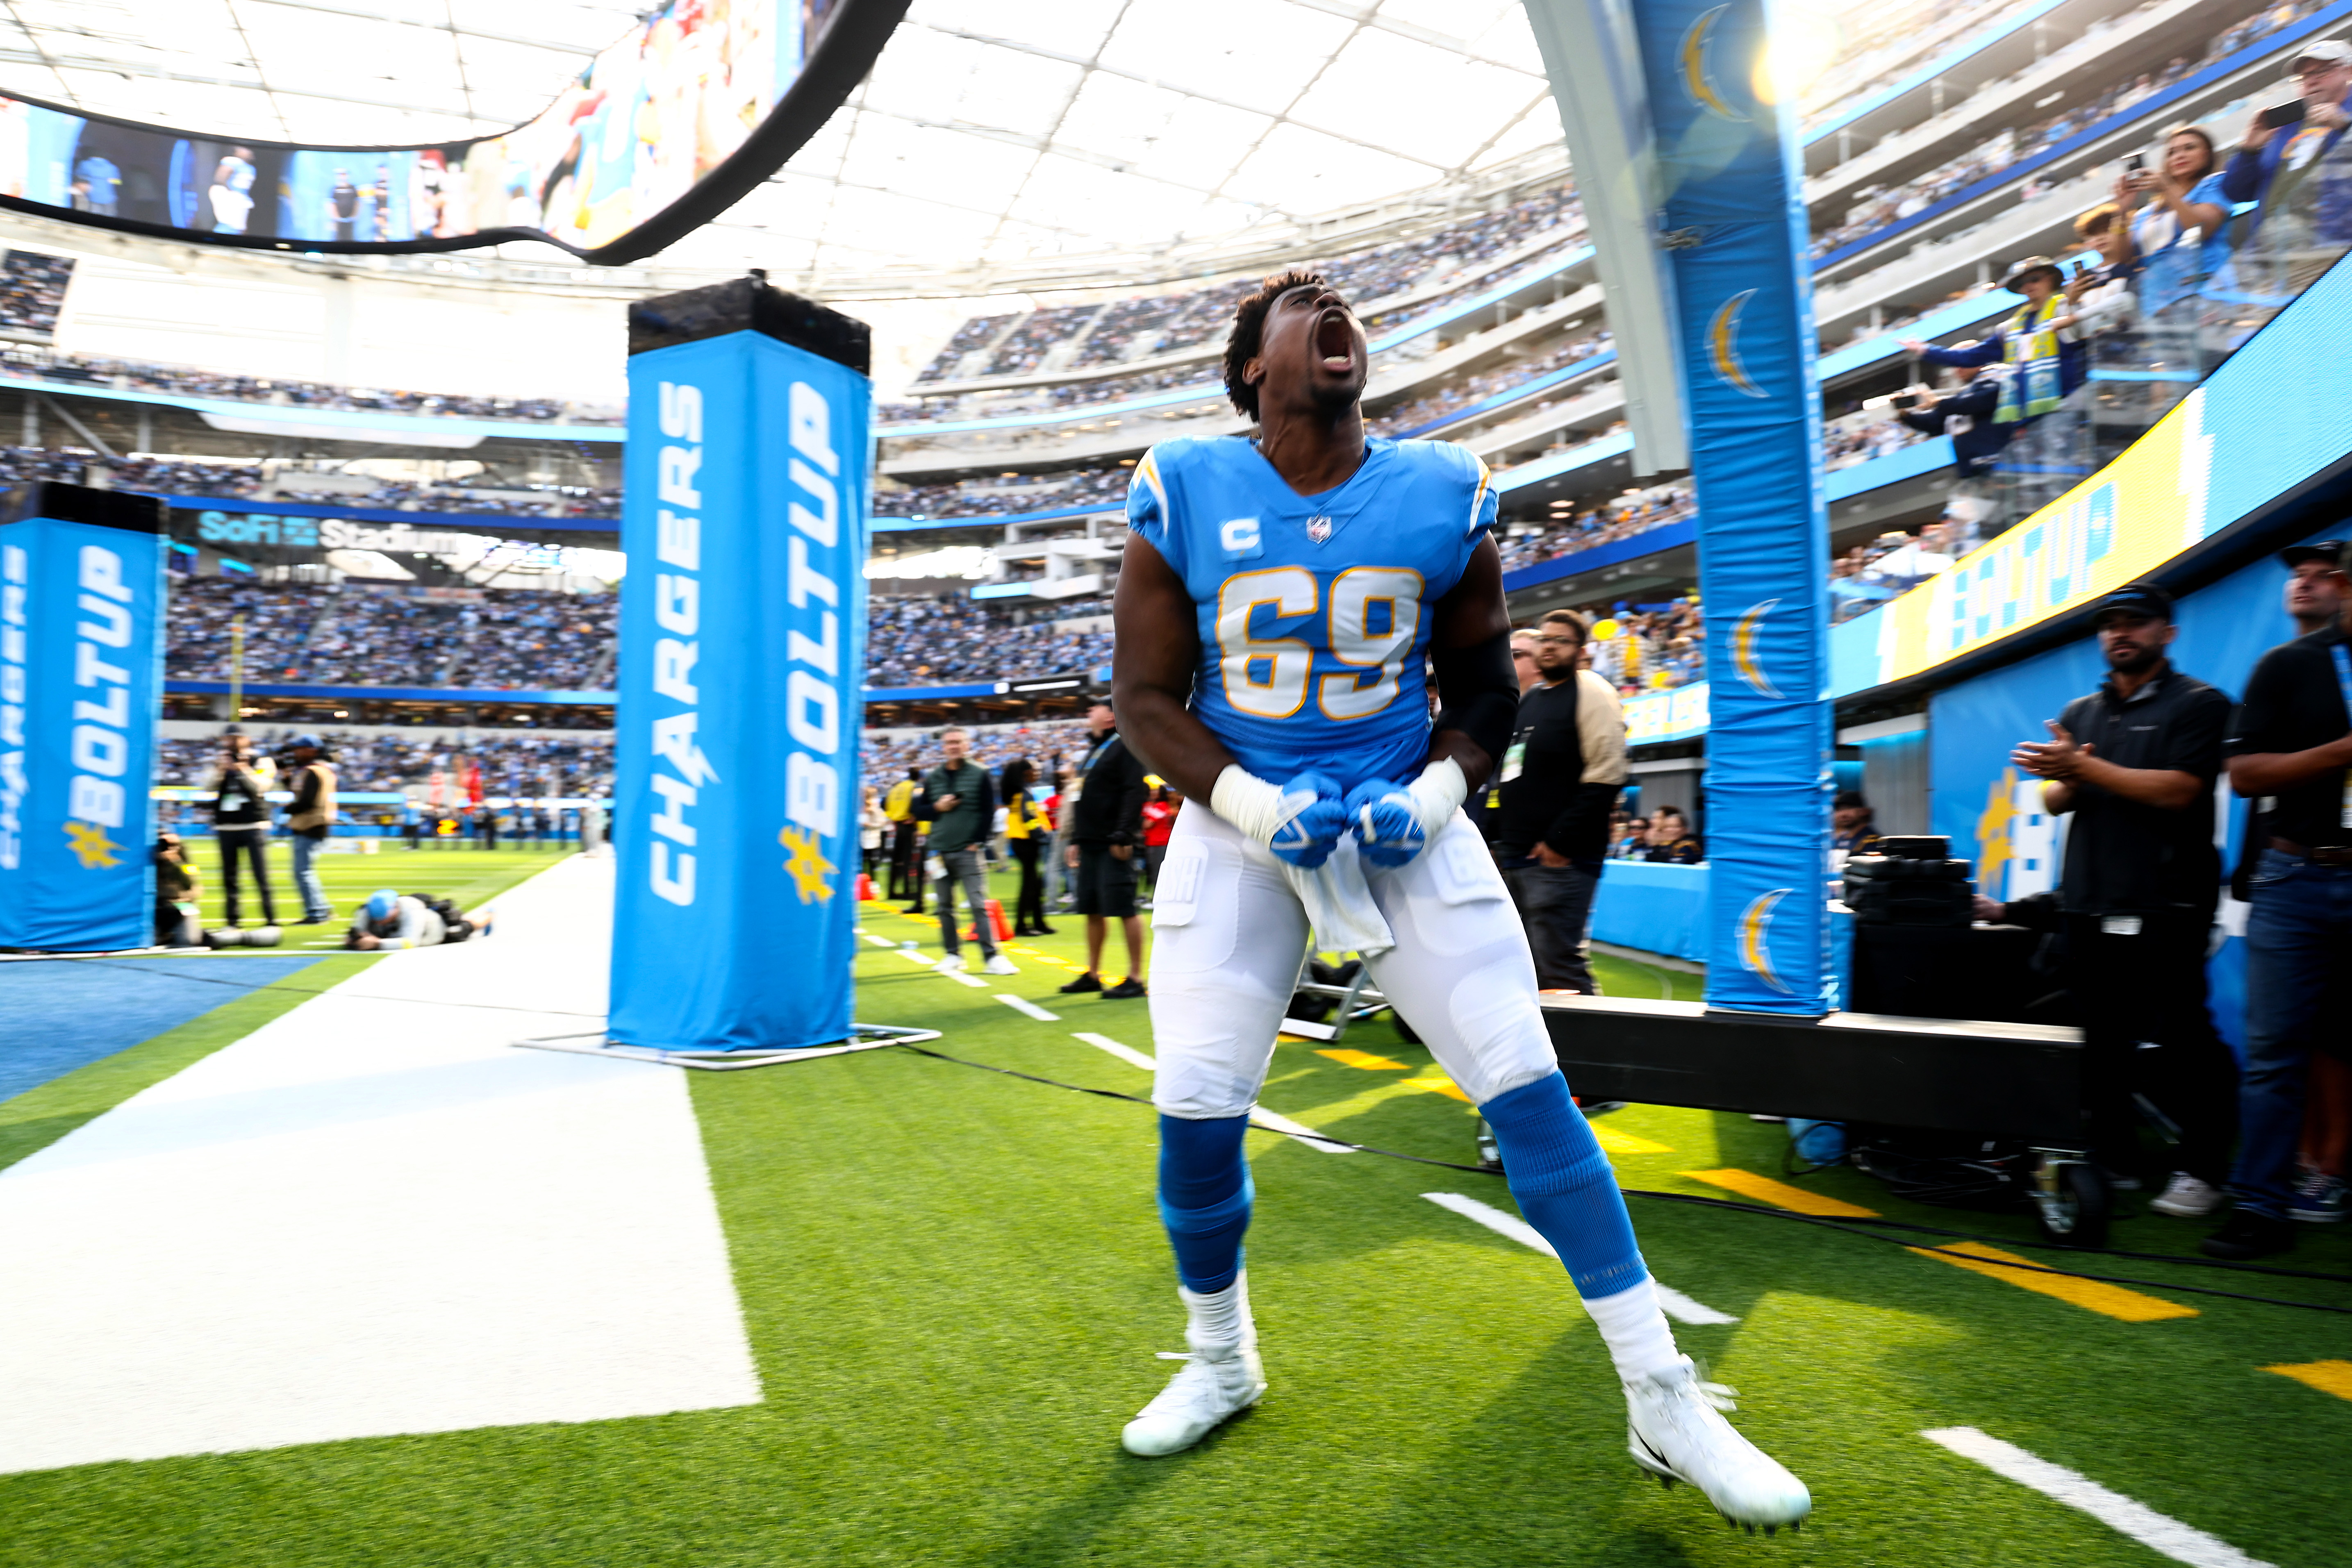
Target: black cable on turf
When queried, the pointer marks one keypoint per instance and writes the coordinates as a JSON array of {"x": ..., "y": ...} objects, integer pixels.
[
  {"x": 1846, "y": 1227},
  {"x": 1849, "y": 1226}
]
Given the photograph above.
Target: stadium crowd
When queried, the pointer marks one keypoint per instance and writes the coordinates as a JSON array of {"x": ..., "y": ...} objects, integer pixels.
[
  {"x": 190, "y": 381},
  {"x": 1009, "y": 497},
  {"x": 926, "y": 642},
  {"x": 1137, "y": 327},
  {"x": 1436, "y": 405},
  {"x": 526, "y": 640},
  {"x": 33, "y": 293},
  {"x": 1877, "y": 207},
  {"x": 244, "y": 481},
  {"x": 533, "y": 766}
]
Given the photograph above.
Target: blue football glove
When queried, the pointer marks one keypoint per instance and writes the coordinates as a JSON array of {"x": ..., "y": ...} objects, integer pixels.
[
  {"x": 1387, "y": 820},
  {"x": 1310, "y": 821}
]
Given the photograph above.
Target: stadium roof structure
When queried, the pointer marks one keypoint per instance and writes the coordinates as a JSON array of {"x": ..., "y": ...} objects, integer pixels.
[{"x": 997, "y": 143}]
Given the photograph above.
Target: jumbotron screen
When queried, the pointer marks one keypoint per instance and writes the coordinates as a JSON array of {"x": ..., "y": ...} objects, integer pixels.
[{"x": 661, "y": 131}]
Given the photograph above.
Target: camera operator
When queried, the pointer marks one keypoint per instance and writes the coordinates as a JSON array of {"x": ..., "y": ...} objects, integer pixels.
[
  {"x": 393, "y": 920},
  {"x": 241, "y": 820},
  {"x": 176, "y": 893},
  {"x": 2135, "y": 763},
  {"x": 1964, "y": 413}
]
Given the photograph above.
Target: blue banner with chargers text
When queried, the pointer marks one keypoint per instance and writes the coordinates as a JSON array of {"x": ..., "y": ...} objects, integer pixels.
[
  {"x": 1733, "y": 223},
  {"x": 81, "y": 667},
  {"x": 735, "y": 817}
]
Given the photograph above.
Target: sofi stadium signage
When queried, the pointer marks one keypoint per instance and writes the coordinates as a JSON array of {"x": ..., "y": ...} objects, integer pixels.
[
  {"x": 661, "y": 131},
  {"x": 736, "y": 736}
]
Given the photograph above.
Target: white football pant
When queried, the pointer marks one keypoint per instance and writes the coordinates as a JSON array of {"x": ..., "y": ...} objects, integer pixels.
[{"x": 1229, "y": 941}]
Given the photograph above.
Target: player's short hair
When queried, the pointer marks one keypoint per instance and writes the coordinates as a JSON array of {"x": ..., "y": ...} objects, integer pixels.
[
  {"x": 1248, "y": 334},
  {"x": 1572, "y": 620}
]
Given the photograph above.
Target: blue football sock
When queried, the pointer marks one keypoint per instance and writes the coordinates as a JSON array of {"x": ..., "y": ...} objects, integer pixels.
[
  {"x": 1563, "y": 1185},
  {"x": 1204, "y": 1198}
]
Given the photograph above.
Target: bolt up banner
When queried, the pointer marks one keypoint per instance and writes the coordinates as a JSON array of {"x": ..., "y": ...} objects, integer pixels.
[
  {"x": 81, "y": 677},
  {"x": 1733, "y": 224},
  {"x": 742, "y": 643}
]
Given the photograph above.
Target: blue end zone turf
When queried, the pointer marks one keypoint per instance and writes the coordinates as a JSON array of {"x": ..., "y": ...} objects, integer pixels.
[{"x": 67, "y": 1013}]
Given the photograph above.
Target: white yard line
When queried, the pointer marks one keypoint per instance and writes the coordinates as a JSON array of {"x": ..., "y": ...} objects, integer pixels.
[
  {"x": 1671, "y": 1302},
  {"x": 878, "y": 941},
  {"x": 1024, "y": 1004},
  {"x": 1126, "y": 1053},
  {"x": 913, "y": 956},
  {"x": 1262, "y": 1117},
  {"x": 962, "y": 979},
  {"x": 362, "y": 1220},
  {"x": 2157, "y": 1531}
]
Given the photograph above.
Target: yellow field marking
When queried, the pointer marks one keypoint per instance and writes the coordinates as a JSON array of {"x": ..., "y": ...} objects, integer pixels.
[
  {"x": 1764, "y": 1189},
  {"x": 1618, "y": 1143},
  {"x": 1363, "y": 1059},
  {"x": 2327, "y": 1376},
  {"x": 1436, "y": 1083},
  {"x": 2112, "y": 1300},
  {"x": 1291, "y": 1040}
]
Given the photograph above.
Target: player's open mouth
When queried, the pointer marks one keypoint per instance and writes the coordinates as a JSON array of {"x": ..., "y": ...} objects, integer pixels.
[{"x": 1334, "y": 340}]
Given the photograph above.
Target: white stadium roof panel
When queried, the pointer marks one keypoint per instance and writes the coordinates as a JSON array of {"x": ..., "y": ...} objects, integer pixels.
[{"x": 990, "y": 132}]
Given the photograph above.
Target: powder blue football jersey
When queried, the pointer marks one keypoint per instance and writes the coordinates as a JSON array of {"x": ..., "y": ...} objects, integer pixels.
[{"x": 1314, "y": 610}]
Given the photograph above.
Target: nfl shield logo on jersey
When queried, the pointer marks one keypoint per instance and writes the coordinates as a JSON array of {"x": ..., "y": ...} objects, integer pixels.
[{"x": 1318, "y": 528}]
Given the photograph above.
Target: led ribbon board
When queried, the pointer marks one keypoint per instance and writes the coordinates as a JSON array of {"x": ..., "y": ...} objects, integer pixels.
[
  {"x": 81, "y": 667},
  {"x": 664, "y": 131},
  {"x": 1733, "y": 223},
  {"x": 735, "y": 746}
]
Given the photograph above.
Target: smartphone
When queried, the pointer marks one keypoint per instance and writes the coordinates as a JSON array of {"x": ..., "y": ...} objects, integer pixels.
[
  {"x": 1906, "y": 400},
  {"x": 2279, "y": 114},
  {"x": 2134, "y": 163}
]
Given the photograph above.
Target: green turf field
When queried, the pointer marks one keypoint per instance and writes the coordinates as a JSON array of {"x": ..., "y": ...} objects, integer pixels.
[
  {"x": 466, "y": 876},
  {"x": 954, "y": 1283}
]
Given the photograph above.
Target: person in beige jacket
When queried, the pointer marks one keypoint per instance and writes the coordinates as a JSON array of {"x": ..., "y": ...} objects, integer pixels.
[
  {"x": 1557, "y": 786},
  {"x": 308, "y": 819}
]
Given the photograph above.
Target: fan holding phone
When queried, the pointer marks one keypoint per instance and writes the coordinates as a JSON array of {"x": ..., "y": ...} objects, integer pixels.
[{"x": 2289, "y": 138}]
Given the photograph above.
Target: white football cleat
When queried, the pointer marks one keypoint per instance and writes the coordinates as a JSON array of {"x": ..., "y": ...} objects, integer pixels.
[
  {"x": 1675, "y": 1430},
  {"x": 1222, "y": 1375},
  {"x": 952, "y": 964},
  {"x": 1217, "y": 1381},
  {"x": 998, "y": 964}
]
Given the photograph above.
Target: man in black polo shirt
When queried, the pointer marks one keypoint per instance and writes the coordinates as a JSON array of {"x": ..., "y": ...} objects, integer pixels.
[
  {"x": 1559, "y": 782},
  {"x": 2289, "y": 742},
  {"x": 1106, "y": 833},
  {"x": 2135, "y": 763}
]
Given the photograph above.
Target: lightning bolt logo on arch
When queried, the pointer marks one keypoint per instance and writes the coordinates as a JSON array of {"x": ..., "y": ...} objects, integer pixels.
[
  {"x": 1723, "y": 345},
  {"x": 1754, "y": 931},
  {"x": 1697, "y": 81},
  {"x": 1744, "y": 634}
]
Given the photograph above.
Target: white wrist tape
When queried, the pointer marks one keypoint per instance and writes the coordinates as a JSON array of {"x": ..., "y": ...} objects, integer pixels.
[
  {"x": 1250, "y": 803},
  {"x": 1437, "y": 794}
]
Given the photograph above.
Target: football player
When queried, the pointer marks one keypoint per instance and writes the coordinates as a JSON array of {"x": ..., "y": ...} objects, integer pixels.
[{"x": 1281, "y": 603}]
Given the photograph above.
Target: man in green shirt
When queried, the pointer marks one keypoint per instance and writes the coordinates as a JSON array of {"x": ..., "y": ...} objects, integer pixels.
[{"x": 959, "y": 800}]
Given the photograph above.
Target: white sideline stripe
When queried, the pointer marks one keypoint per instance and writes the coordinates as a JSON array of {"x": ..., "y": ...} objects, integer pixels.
[
  {"x": 913, "y": 956},
  {"x": 1126, "y": 1053},
  {"x": 877, "y": 940},
  {"x": 2157, "y": 1531},
  {"x": 1024, "y": 1004},
  {"x": 1261, "y": 1117},
  {"x": 345, "y": 1225},
  {"x": 1671, "y": 1302},
  {"x": 960, "y": 979}
]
